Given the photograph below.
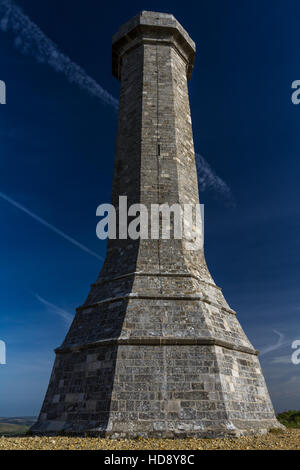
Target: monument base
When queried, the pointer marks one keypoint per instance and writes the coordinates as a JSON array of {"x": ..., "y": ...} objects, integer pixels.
[{"x": 166, "y": 391}]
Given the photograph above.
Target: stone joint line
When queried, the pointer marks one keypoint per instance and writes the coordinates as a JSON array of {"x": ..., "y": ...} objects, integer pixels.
[
  {"x": 152, "y": 341},
  {"x": 156, "y": 297}
]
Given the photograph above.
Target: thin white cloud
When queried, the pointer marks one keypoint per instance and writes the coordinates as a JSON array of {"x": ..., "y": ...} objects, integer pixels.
[
  {"x": 282, "y": 360},
  {"x": 30, "y": 40},
  {"x": 279, "y": 344},
  {"x": 49, "y": 226},
  {"x": 66, "y": 316},
  {"x": 209, "y": 181}
]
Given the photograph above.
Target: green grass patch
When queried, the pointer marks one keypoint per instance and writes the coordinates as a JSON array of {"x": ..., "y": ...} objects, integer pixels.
[
  {"x": 290, "y": 419},
  {"x": 7, "y": 429}
]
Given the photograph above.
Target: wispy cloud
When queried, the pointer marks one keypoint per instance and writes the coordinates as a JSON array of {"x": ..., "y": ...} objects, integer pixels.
[
  {"x": 273, "y": 347},
  {"x": 66, "y": 316},
  {"x": 49, "y": 226},
  {"x": 30, "y": 40},
  {"x": 282, "y": 359},
  {"x": 208, "y": 180}
]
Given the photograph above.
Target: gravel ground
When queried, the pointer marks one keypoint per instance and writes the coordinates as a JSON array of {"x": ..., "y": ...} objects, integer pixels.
[{"x": 279, "y": 440}]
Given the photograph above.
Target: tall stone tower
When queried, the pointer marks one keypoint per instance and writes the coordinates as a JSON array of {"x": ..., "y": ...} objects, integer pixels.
[{"x": 155, "y": 350}]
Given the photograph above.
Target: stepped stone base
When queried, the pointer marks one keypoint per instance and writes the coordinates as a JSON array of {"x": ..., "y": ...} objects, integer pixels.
[{"x": 163, "y": 392}]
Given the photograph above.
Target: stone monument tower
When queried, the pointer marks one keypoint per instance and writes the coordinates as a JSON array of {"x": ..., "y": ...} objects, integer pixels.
[{"x": 155, "y": 350}]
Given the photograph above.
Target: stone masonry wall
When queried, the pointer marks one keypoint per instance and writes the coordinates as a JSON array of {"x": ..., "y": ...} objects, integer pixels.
[{"x": 170, "y": 391}]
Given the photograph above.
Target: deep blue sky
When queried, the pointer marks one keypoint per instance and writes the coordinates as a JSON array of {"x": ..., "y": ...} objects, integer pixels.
[{"x": 57, "y": 149}]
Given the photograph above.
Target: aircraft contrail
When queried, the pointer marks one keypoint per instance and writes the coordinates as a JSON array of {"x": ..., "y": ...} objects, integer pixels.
[
  {"x": 30, "y": 40},
  {"x": 208, "y": 180},
  {"x": 49, "y": 226},
  {"x": 280, "y": 343},
  {"x": 66, "y": 316}
]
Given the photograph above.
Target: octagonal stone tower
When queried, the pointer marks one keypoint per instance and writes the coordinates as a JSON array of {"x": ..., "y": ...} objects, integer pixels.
[{"x": 155, "y": 350}]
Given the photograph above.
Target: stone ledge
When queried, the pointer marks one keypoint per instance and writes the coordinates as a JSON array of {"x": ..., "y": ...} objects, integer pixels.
[
  {"x": 153, "y": 19},
  {"x": 50, "y": 428},
  {"x": 159, "y": 341},
  {"x": 186, "y": 298},
  {"x": 151, "y": 27},
  {"x": 137, "y": 273}
]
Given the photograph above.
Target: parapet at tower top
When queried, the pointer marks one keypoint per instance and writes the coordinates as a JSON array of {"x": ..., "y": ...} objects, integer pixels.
[{"x": 149, "y": 27}]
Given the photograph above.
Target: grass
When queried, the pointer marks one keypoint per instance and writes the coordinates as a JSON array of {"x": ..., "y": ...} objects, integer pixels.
[
  {"x": 7, "y": 429},
  {"x": 290, "y": 419},
  {"x": 15, "y": 426}
]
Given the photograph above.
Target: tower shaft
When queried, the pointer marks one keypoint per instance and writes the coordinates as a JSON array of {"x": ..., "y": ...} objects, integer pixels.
[{"x": 155, "y": 350}]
